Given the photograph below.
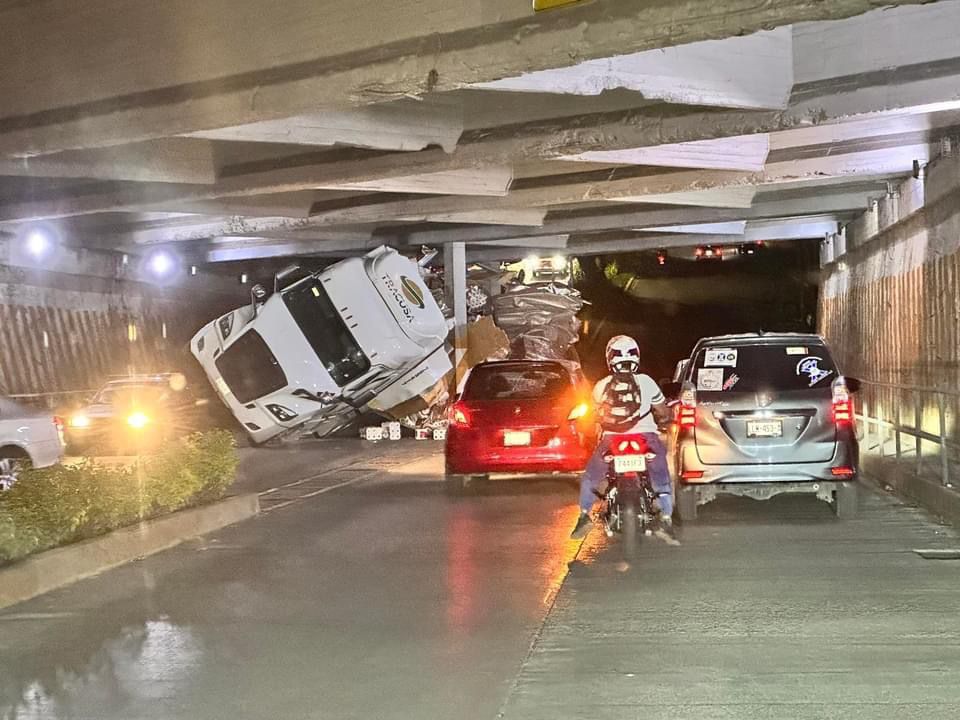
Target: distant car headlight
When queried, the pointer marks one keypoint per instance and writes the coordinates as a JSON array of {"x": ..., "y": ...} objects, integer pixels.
[
  {"x": 79, "y": 421},
  {"x": 138, "y": 420}
]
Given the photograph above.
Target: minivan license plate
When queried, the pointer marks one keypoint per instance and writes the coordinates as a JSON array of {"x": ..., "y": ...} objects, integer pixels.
[
  {"x": 764, "y": 428},
  {"x": 516, "y": 439},
  {"x": 629, "y": 464}
]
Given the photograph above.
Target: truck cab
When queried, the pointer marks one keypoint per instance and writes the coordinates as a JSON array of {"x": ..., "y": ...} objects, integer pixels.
[{"x": 362, "y": 334}]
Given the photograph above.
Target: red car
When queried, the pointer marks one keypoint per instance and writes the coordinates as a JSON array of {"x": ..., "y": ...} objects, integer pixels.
[{"x": 518, "y": 416}]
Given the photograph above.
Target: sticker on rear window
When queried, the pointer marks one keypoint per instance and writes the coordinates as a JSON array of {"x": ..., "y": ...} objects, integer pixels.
[
  {"x": 731, "y": 381},
  {"x": 709, "y": 379},
  {"x": 796, "y": 351},
  {"x": 810, "y": 366},
  {"x": 721, "y": 357}
]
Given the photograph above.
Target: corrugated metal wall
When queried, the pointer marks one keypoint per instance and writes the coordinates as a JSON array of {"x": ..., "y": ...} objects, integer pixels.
[{"x": 51, "y": 349}]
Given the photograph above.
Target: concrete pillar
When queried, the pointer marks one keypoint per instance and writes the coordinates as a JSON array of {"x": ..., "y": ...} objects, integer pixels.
[{"x": 455, "y": 290}]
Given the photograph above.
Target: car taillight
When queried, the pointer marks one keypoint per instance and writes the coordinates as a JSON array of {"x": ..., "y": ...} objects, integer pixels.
[
  {"x": 58, "y": 422},
  {"x": 842, "y": 404},
  {"x": 692, "y": 474},
  {"x": 459, "y": 416},
  {"x": 687, "y": 416},
  {"x": 843, "y": 471}
]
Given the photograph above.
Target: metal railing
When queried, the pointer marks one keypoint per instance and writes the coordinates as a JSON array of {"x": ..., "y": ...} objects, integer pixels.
[{"x": 893, "y": 429}]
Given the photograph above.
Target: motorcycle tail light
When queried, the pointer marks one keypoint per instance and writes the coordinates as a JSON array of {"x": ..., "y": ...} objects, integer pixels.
[{"x": 628, "y": 445}]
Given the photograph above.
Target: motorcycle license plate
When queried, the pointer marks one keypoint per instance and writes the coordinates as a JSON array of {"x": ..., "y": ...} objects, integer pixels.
[
  {"x": 629, "y": 464},
  {"x": 513, "y": 438},
  {"x": 764, "y": 428}
]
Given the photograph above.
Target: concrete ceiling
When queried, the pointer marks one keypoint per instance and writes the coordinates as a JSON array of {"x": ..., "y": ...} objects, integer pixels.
[{"x": 771, "y": 121}]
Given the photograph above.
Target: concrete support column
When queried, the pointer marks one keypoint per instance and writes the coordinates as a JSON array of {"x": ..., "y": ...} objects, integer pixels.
[{"x": 455, "y": 290}]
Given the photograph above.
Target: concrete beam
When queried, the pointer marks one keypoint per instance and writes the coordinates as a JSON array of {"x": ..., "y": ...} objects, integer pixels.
[
  {"x": 754, "y": 71},
  {"x": 734, "y": 227},
  {"x": 167, "y": 160},
  {"x": 296, "y": 204},
  {"x": 309, "y": 56},
  {"x": 723, "y": 197},
  {"x": 533, "y": 217},
  {"x": 748, "y": 153},
  {"x": 402, "y": 126},
  {"x": 483, "y": 181},
  {"x": 234, "y": 249},
  {"x": 835, "y": 201}
]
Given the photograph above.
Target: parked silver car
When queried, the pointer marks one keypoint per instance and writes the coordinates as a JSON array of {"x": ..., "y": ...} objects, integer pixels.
[
  {"x": 764, "y": 414},
  {"x": 27, "y": 436}
]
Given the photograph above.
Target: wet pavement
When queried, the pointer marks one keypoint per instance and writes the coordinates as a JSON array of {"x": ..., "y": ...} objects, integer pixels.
[
  {"x": 381, "y": 599},
  {"x": 768, "y": 611},
  {"x": 365, "y": 592}
]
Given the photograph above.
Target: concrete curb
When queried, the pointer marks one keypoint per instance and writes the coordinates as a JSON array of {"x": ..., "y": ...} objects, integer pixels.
[
  {"x": 930, "y": 494},
  {"x": 55, "y": 568}
]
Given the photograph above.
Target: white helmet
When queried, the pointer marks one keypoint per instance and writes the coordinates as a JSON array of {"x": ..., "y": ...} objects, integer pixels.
[{"x": 623, "y": 355}]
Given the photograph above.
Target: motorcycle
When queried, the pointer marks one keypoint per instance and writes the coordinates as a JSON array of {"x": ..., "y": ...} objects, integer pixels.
[{"x": 629, "y": 502}]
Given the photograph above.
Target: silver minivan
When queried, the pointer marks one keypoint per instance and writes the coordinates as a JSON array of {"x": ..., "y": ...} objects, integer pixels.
[{"x": 763, "y": 414}]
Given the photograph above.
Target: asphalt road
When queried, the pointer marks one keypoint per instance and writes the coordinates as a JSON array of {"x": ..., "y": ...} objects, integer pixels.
[{"x": 365, "y": 592}]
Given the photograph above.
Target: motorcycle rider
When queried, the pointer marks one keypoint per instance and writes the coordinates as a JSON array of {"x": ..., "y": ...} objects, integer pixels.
[{"x": 628, "y": 402}]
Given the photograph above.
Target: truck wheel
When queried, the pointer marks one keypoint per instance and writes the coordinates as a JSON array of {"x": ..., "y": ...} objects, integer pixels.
[
  {"x": 687, "y": 504},
  {"x": 846, "y": 500}
]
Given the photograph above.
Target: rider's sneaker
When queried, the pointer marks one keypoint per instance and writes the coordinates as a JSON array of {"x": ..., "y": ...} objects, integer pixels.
[
  {"x": 583, "y": 526},
  {"x": 666, "y": 532}
]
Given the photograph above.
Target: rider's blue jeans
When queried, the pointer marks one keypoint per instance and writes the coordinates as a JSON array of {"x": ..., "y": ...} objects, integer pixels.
[{"x": 596, "y": 472}]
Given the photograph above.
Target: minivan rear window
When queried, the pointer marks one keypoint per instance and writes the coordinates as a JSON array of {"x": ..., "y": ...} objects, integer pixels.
[
  {"x": 250, "y": 369},
  {"x": 756, "y": 368},
  {"x": 517, "y": 382}
]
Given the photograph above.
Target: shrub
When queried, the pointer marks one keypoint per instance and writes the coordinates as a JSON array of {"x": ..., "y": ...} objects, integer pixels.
[{"x": 59, "y": 505}]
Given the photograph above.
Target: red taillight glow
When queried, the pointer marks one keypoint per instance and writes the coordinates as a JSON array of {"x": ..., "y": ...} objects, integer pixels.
[
  {"x": 459, "y": 416},
  {"x": 843, "y": 471},
  {"x": 628, "y": 445},
  {"x": 692, "y": 474},
  {"x": 58, "y": 421},
  {"x": 843, "y": 412},
  {"x": 687, "y": 416}
]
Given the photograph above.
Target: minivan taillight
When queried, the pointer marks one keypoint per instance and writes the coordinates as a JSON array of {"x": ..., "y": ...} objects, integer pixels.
[
  {"x": 843, "y": 412},
  {"x": 459, "y": 415}
]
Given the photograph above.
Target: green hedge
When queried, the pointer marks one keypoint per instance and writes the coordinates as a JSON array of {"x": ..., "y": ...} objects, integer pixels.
[{"x": 60, "y": 505}]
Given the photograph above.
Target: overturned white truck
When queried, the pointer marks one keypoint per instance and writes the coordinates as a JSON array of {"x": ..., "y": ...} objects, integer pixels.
[{"x": 363, "y": 334}]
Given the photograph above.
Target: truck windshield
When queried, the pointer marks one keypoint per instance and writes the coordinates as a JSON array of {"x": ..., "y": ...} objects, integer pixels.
[
  {"x": 249, "y": 369},
  {"x": 326, "y": 331}
]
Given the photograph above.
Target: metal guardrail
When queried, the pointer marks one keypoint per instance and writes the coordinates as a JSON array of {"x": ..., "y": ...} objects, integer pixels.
[{"x": 885, "y": 428}]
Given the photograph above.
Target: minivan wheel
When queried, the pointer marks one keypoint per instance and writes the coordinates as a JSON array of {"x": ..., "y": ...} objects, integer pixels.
[
  {"x": 687, "y": 504},
  {"x": 846, "y": 500}
]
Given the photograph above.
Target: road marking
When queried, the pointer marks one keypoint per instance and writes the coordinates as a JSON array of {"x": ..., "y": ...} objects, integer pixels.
[{"x": 315, "y": 493}]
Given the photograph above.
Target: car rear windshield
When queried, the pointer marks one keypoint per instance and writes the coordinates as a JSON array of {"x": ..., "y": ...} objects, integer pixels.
[
  {"x": 517, "y": 382},
  {"x": 325, "y": 330},
  {"x": 756, "y": 368},
  {"x": 250, "y": 369}
]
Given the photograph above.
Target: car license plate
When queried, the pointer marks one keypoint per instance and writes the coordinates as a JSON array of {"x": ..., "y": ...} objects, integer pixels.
[
  {"x": 512, "y": 438},
  {"x": 629, "y": 464},
  {"x": 764, "y": 428}
]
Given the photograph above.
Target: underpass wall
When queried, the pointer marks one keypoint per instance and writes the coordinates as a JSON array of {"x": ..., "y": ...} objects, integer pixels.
[
  {"x": 890, "y": 308},
  {"x": 72, "y": 321}
]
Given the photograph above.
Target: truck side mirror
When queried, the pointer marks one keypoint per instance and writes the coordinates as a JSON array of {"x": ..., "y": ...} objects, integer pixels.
[{"x": 257, "y": 295}]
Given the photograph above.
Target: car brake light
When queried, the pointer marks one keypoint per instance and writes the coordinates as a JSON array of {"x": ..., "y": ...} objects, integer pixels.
[
  {"x": 687, "y": 416},
  {"x": 843, "y": 412},
  {"x": 692, "y": 474},
  {"x": 579, "y": 411},
  {"x": 459, "y": 416},
  {"x": 842, "y": 471}
]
